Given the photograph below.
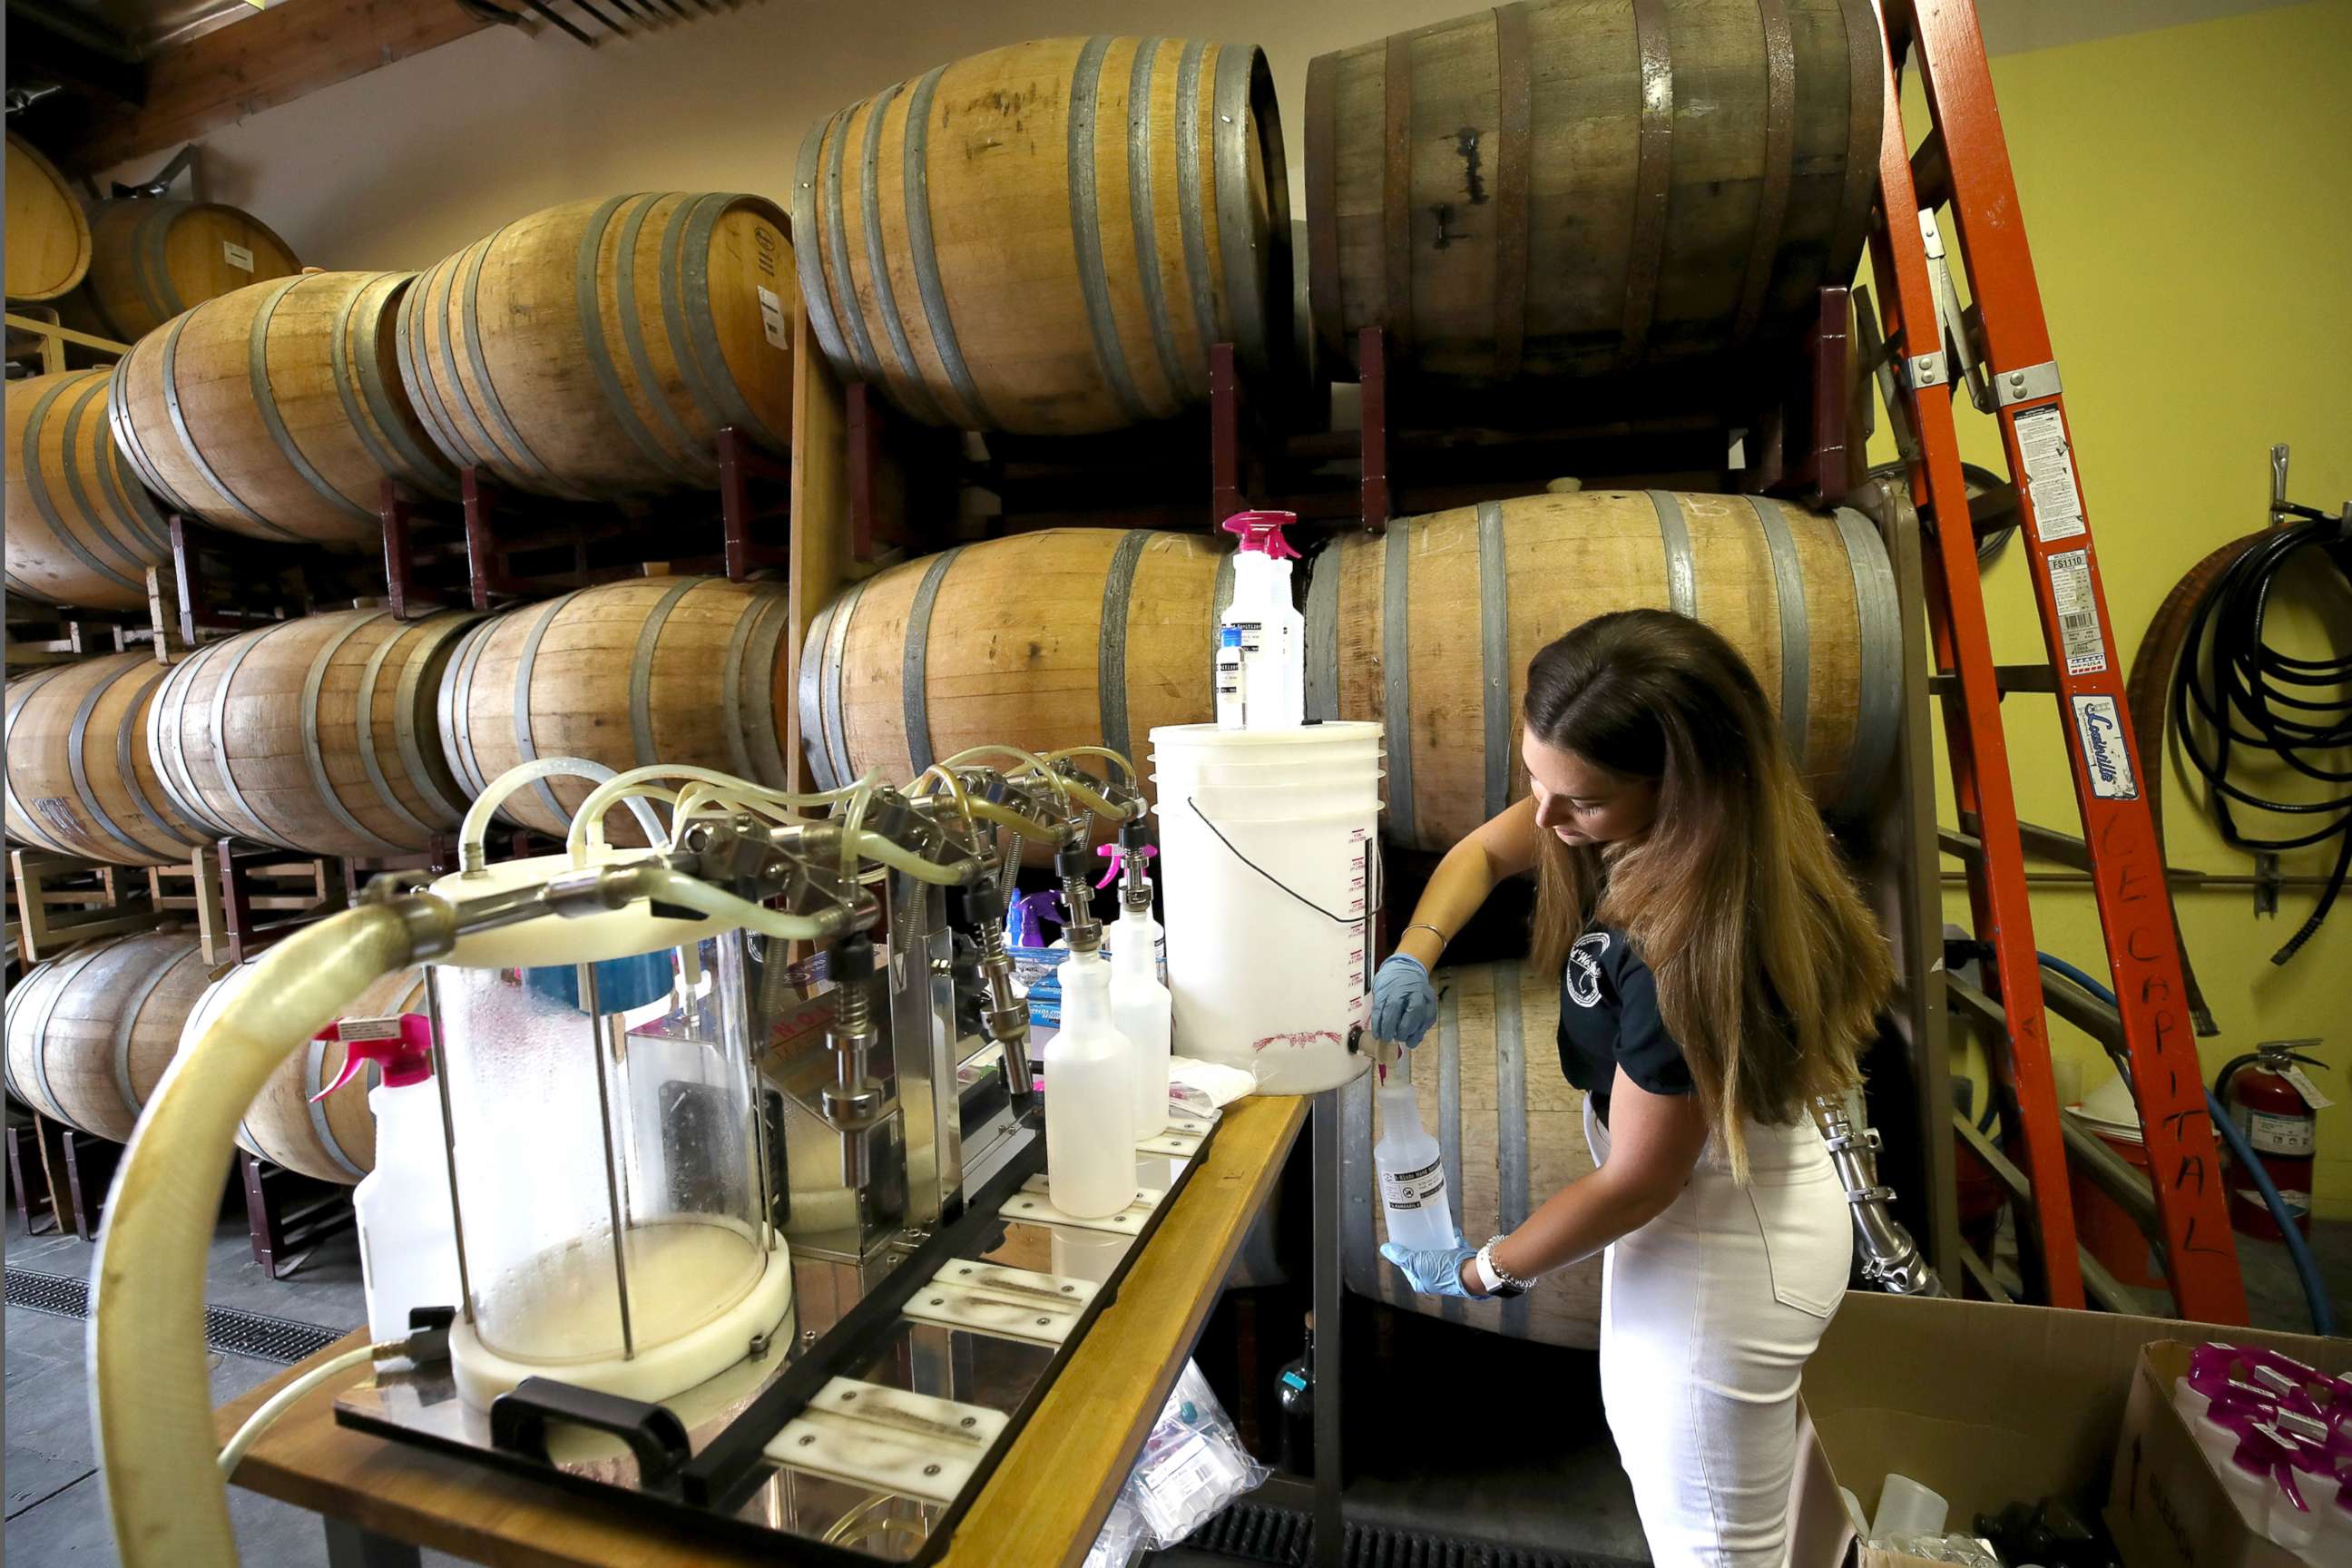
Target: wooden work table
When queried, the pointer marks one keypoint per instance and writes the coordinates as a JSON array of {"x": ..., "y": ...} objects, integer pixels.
[{"x": 1043, "y": 1506}]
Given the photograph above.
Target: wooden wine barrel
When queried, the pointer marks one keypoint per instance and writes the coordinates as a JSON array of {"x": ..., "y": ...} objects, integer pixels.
[
  {"x": 334, "y": 1139},
  {"x": 661, "y": 670},
  {"x": 151, "y": 259},
  {"x": 277, "y": 410},
  {"x": 1049, "y": 237},
  {"x": 1061, "y": 637},
  {"x": 80, "y": 778},
  {"x": 1431, "y": 628},
  {"x": 1488, "y": 1083},
  {"x": 48, "y": 239},
  {"x": 90, "y": 1033},
  {"x": 81, "y": 528},
  {"x": 314, "y": 735},
  {"x": 598, "y": 348},
  {"x": 1568, "y": 188}
]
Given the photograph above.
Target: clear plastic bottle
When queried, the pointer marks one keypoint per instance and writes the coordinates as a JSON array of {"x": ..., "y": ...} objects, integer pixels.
[
  {"x": 1413, "y": 1174},
  {"x": 1141, "y": 1003},
  {"x": 408, "y": 1242},
  {"x": 1089, "y": 1096},
  {"x": 1274, "y": 634}
]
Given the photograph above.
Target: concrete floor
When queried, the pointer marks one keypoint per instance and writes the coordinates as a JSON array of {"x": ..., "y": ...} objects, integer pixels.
[{"x": 1547, "y": 1478}]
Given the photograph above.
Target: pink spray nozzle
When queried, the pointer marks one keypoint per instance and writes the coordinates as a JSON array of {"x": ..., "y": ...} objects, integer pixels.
[
  {"x": 1119, "y": 854},
  {"x": 1261, "y": 531},
  {"x": 403, "y": 1047}
]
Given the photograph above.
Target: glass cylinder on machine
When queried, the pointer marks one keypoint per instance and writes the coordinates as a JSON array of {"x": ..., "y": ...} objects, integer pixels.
[{"x": 1270, "y": 873}]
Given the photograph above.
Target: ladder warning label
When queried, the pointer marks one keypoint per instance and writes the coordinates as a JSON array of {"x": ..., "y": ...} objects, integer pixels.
[
  {"x": 2049, "y": 460},
  {"x": 2078, "y": 612},
  {"x": 2104, "y": 756}
]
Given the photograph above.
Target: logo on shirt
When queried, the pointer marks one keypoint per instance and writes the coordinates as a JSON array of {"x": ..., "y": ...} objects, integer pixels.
[{"x": 1584, "y": 968}]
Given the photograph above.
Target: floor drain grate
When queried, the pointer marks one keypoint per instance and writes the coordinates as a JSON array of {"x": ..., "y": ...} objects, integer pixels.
[
  {"x": 1255, "y": 1533},
  {"x": 226, "y": 1330}
]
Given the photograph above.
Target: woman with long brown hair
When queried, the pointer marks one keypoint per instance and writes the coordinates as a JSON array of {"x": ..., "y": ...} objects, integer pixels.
[{"x": 1719, "y": 972}]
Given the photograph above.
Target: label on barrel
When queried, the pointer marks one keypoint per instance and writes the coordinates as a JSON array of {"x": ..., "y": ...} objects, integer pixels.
[
  {"x": 2050, "y": 474},
  {"x": 236, "y": 256},
  {"x": 1411, "y": 1189},
  {"x": 771, "y": 318},
  {"x": 2078, "y": 612}
]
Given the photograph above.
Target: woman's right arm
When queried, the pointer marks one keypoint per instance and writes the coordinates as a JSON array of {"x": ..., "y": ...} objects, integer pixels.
[{"x": 1504, "y": 847}]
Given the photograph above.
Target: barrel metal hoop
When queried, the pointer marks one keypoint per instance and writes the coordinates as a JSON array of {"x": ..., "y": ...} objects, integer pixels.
[
  {"x": 414, "y": 672},
  {"x": 22, "y": 690},
  {"x": 1866, "y": 51},
  {"x": 809, "y": 699},
  {"x": 365, "y": 699},
  {"x": 239, "y": 647},
  {"x": 877, "y": 257},
  {"x": 1110, "y": 657},
  {"x": 914, "y": 684},
  {"x": 265, "y": 402},
  {"x": 457, "y": 408},
  {"x": 1220, "y": 597},
  {"x": 1878, "y": 622},
  {"x": 641, "y": 671},
  {"x": 167, "y": 742},
  {"x": 132, "y": 498},
  {"x": 1652, "y": 179},
  {"x": 94, "y": 384},
  {"x": 698, "y": 466},
  {"x": 585, "y": 296},
  {"x": 1796, "y": 629},
  {"x": 314, "y": 1075},
  {"x": 469, "y": 318},
  {"x": 1190, "y": 208},
  {"x": 1326, "y": 297},
  {"x": 837, "y": 737},
  {"x": 1449, "y": 1117},
  {"x": 670, "y": 277},
  {"x": 1513, "y": 160},
  {"x": 188, "y": 441},
  {"x": 525, "y": 751},
  {"x": 757, "y": 607},
  {"x": 711, "y": 379},
  {"x": 339, "y": 358},
  {"x": 1244, "y": 83},
  {"x": 1780, "y": 166},
  {"x": 126, "y": 765},
  {"x": 126, "y": 432},
  {"x": 922, "y": 252},
  {"x": 836, "y": 249},
  {"x": 1511, "y": 1171},
  {"x": 455, "y": 701},
  {"x": 1674, "y": 533},
  {"x": 1494, "y": 655},
  {"x": 412, "y": 343},
  {"x": 1396, "y": 678},
  {"x": 76, "y": 738},
  {"x": 28, "y": 463},
  {"x": 313, "y": 680},
  {"x": 772, "y": 621},
  {"x": 807, "y": 255},
  {"x": 1396, "y": 194},
  {"x": 428, "y": 470},
  {"x": 1145, "y": 219},
  {"x": 68, "y": 970},
  {"x": 128, "y": 1022},
  {"x": 1323, "y": 634},
  {"x": 1086, "y": 229}
]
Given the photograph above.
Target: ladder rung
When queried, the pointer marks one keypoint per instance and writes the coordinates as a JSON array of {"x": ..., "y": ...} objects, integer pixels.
[
  {"x": 1979, "y": 1007},
  {"x": 2006, "y": 678},
  {"x": 2040, "y": 842},
  {"x": 2116, "y": 1176},
  {"x": 1981, "y": 1274},
  {"x": 1931, "y": 171},
  {"x": 2104, "y": 1289},
  {"x": 2095, "y": 1018},
  {"x": 2007, "y": 1174}
]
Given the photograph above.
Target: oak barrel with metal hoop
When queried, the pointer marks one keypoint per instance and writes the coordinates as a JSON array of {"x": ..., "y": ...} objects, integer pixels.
[
  {"x": 1511, "y": 1129},
  {"x": 597, "y": 349},
  {"x": 1049, "y": 237},
  {"x": 91, "y": 1031},
  {"x": 315, "y": 735},
  {"x": 80, "y": 779},
  {"x": 1572, "y": 188},
  {"x": 81, "y": 529},
  {"x": 1061, "y": 637},
  {"x": 151, "y": 259},
  {"x": 1430, "y": 628},
  {"x": 658, "y": 670},
  {"x": 277, "y": 411},
  {"x": 48, "y": 238}
]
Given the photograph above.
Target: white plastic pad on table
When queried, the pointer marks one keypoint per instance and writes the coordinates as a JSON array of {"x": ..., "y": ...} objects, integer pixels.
[
  {"x": 1016, "y": 1303},
  {"x": 866, "y": 1435},
  {"x": 1032, "y": 1207}
]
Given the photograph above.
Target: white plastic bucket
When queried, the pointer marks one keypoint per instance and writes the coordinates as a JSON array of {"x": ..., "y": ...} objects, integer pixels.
[{"x": 1270, "y": 872}]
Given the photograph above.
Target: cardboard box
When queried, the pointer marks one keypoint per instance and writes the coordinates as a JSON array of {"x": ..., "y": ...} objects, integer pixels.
[{"x": 1985, "y": 1403}]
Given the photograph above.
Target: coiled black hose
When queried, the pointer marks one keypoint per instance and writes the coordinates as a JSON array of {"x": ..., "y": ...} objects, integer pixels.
[{"x": 2282, "y": 709}]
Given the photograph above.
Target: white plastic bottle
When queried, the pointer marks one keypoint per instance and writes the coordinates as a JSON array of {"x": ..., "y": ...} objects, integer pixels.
[
  {"x": 408, "y": 1242},
  {"x": 1413, "y": 1174},
  {"x": 1274, "y": 634},
  {"x": 1142, "y": 1008},
  {"x": 1090, "y": 1097}
]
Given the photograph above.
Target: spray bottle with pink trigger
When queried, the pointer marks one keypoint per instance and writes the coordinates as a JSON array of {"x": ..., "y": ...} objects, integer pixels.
[
  {"x": 1261, "y": 639},
  {"x": 408, "y": 1243}
]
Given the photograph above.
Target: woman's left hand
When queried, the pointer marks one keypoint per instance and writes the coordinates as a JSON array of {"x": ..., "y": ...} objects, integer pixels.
[{"x": 1432, "y": 1271}]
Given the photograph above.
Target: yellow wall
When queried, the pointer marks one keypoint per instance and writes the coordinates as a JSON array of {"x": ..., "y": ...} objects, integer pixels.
[{"x": 2189, "y": 202}]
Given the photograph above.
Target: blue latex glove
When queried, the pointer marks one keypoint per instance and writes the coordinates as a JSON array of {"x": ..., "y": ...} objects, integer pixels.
[
  {"x": 1405, "y": 1002},
  {"x": 1436, "y": 1271}
]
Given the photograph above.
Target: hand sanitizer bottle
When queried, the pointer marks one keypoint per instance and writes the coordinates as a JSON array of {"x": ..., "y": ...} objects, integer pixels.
[
  {"x": 408, "y": 1240},
  {"x": 1413, "y": 1174},
  {"x": 1274, "y": 634}
]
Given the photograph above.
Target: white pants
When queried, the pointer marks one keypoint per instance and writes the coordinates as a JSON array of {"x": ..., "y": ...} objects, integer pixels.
[{"x": 1707, "y": 1314}]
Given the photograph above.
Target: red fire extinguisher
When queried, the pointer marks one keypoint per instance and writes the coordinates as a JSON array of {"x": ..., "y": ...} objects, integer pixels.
[{"x": 2277, "y": 1110}]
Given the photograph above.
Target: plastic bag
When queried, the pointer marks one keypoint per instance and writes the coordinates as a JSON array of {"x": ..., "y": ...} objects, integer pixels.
[{"x": 1192, "y": 1465}]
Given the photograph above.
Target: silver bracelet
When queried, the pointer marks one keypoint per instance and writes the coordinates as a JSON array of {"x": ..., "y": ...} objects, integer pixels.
[
  {"x": 1423, "y": 925},
  {"x": 1499, "y": 1282}
]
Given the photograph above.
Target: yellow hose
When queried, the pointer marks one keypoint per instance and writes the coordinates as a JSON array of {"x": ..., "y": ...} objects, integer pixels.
[{"x": 152, "y": 1397}]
